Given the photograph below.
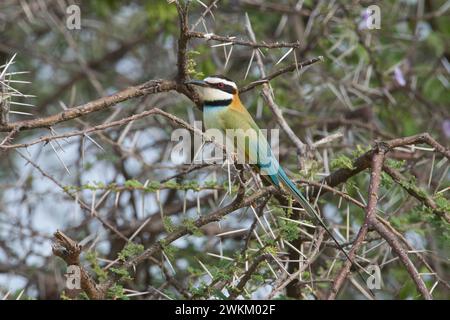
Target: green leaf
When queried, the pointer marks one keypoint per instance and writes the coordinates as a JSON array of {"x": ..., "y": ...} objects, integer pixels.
[
  {"x": 130, "y": 250},
  {"x": 342, "y": 162},
  {"x": 133, "y": 184}
]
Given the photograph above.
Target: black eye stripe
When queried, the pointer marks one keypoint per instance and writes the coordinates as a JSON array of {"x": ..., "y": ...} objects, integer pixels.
[{"x": 223, "y": 86}]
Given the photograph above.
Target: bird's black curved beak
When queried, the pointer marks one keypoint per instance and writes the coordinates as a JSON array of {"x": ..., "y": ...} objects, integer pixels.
[{"x": 194, "y": 82}]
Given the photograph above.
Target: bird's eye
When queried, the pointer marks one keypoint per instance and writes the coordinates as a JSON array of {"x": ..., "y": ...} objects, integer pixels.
[{"x": 220, "y": 85}]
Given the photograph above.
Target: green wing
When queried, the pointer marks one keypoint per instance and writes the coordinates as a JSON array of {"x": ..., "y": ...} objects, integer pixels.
[{"x": 250, "y": 142}]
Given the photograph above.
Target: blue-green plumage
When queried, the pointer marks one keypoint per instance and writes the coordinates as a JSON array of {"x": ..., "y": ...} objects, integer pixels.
[{"x": 257, "y": 149}]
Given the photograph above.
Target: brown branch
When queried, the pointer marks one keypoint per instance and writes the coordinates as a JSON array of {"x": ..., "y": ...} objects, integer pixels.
[
  {"x": 150, "y": 87},
  {"x": 416, "y": 193},
  {"x": 371, "y": 220},
  {"x": 69, "y": 250},
  {"x": 364, "y": 161},
  {"x": 403, "y": 256},
  {"x": 247, "y": 275},
  {"x": 182, "y": 41},
  {"x": 343, "y": 174},
  {"x": 370, "y": 211},
  {"x": 391, "y": 229},
  {"x": 236, "y": 41},
  {"x": 104, "y": 126},
  {"x": 412, "y": 249},
  {"x": 290, "y": 68},
  {"x": 420, "y": 138}
]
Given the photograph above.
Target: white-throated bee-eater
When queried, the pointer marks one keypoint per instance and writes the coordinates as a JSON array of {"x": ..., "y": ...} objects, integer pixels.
[{"x": 223, "y": 110}]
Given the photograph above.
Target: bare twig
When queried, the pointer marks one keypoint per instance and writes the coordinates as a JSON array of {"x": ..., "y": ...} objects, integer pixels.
[
  {"x": 236, "y": 41},
  {"x": 290, "y": 68}
]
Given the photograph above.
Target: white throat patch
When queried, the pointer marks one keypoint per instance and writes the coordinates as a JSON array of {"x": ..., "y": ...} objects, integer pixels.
[{"x": 212, "y": 94}]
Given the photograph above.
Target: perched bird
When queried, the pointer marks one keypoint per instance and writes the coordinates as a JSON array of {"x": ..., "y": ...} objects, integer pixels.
[{"x": 223, "y": 110}]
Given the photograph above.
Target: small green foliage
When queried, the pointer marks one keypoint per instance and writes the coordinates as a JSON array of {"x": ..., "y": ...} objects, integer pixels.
[
  {"x": 152, "y": 186},
  {"x": 210, "y": 184},
  {"x": 289, "y": 230},
  {"x": 130, "y": 250},
  {"x": 359, "y": 151},
  {"x": 195, "y": 272},
  {"x": 271, "y": 250},
  {"x": 191, "y": 185},
  {"x": 219, "y": 294},
  {"x": 268, "y": 241},
  {"x": 171, "y": 184},
  {"x": 108, "y": 157},
  {"x": 191, "y": 65},
  {"x": 310, "y": 169},
  {"x": 395, "y": 164},
  {"x": 122, "y": 272},
  {"x": 104, "y": 8},
  {"x": 116, "y": 292},
  {"x": 351, "y": 185},
  {"x": 442, "y": 203},
  {"x": 133, "y": 184},
  {"x": 63, "y": 296},
  {"x": 289, "y": 211},
  {"x": 168, "y": 224},
  {"x": 258, "y": 278},
  {"x": 83, "y": 296},
  {"x": 88, "y": 165},
  {"x": 91, "y": 257},
  {"x": 411, "y": 184},
  {"x": 234, "y": 188},
  {"x": 386, "y": 180},
  {"x": 193, "y": 229},
  {"x": 169, "y": 250},
  {"x": 221, "y": 274},
  {"x": 343, "y": 162},
  {"x": 306, "y": 275},
  {"x": 200, "y": 290}
]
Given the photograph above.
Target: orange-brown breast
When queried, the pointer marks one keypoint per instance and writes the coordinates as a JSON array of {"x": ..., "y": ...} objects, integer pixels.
[{"x": 236, "y": 103}]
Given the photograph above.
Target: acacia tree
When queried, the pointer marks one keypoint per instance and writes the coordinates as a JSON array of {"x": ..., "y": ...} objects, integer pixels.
[{"x": 87, "y": 175}]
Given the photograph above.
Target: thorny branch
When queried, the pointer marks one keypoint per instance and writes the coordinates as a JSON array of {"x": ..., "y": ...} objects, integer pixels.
[{"x": 374, "y": 159}]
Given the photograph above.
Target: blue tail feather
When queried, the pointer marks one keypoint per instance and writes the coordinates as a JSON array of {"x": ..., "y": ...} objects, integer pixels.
[{"x": 297, "y": 194}]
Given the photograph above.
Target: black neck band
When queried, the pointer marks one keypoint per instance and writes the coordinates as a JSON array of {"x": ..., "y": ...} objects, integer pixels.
[{"x": 217, "y": 103}]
